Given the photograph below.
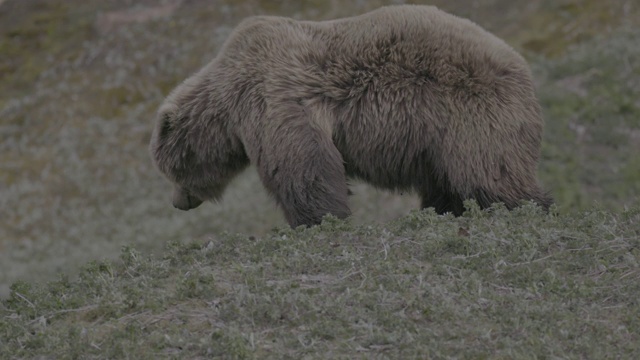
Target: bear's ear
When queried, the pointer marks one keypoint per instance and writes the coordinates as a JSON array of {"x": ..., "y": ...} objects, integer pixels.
[
  {"x": 165, "y": 123},
  {"x": 165, "y": 126}
]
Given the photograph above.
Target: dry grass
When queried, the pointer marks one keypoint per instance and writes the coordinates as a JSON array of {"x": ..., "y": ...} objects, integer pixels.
[{"x": 493, "y": 284}]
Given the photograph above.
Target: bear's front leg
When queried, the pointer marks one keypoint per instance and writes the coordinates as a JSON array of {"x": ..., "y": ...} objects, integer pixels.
[{"x": 302, "y": 168}]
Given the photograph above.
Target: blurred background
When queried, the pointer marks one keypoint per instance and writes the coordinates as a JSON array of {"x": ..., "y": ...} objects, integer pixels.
[{"x": 81, "y": 80}]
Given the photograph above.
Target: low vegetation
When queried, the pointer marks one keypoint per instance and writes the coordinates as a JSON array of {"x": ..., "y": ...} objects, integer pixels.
[{"x": 497, "y": 284}]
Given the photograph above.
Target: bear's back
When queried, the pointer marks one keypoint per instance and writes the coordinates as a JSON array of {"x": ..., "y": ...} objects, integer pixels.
[
  {"x": 411, "y": 30},
  {"x": 340, "y": 58},
  {"x": 427, "y": 27}
]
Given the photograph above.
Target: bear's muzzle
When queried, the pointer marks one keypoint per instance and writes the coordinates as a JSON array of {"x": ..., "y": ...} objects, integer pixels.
[{"x": 183, "y": 200}]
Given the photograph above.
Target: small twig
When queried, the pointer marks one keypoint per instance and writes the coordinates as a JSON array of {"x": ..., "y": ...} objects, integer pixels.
[
  {"x": 385, "y": 247},
  {"x": 351, "y": 272},
  {"x": 52, "y": 314},
  {"x": 500, "y": 287},
  {"x": 134, "y": 315},
  {"x": 627, "y": 274},
  {"x": 532, "y": 261},
  {"x": 25, "y": 299},
  {"x": 456, "y": 257}
]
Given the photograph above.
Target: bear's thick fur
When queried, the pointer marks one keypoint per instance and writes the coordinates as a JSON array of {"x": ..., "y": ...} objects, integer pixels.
[{"x": 403, "y": 97}]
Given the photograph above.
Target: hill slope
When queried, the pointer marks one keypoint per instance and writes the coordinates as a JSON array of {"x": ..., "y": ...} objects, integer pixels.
[{"x": 493, "y": 284}]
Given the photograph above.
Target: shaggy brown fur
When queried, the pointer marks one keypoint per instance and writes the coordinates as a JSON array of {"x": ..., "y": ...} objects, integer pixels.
[{"x": 404, "y": 98}]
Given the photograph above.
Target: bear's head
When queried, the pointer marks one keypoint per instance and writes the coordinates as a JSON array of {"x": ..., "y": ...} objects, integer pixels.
[
  {"x": 192, "y": 146},
  {"x": 175, "y": 151}
]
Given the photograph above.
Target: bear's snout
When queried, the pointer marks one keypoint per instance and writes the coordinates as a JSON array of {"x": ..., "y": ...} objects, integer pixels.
[{"x": 183, "y": 200}]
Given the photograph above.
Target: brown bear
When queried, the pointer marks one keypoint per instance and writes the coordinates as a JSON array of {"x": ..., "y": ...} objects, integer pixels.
[{"x": 403, "y": 97}]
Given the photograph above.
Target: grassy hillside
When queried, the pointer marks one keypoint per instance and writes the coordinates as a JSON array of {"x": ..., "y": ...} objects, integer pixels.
[
  {"x": 80, "y": 82},
  {"x": 494, "y": 284}
]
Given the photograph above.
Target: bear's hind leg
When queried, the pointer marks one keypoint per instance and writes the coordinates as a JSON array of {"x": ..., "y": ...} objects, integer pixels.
[
  {"x": 443, "y": 202},
  {"x": 305, "y": 172},
  {"x": 446, "y": 202}
]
